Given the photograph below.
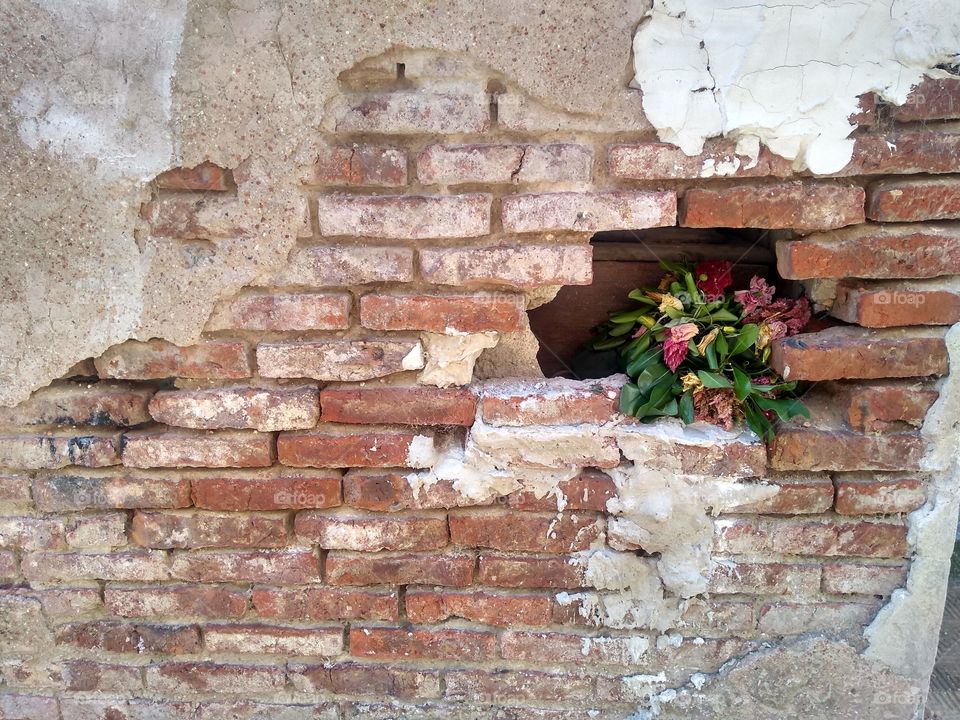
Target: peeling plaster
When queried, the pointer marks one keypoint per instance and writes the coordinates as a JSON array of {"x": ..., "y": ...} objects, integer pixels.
[{"x": 785, "y": 72}]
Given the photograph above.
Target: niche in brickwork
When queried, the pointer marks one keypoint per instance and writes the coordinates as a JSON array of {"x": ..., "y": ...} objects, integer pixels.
[{"x": 624, "y": 260}]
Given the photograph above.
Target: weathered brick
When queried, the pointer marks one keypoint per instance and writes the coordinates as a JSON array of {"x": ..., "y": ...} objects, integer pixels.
[
  {"x": 756, "y": 578},
  {"x": 812, "y": 537},
  {"x": 529, "y": 571},
  {"x": 174, "y": 601},
  {"x": 342, "y": 265},
  {"x": 380, "y": 681},
  {"x": 880, "y": 305},
  {"x": 190, "y": 216},
  {"x": 526, "y": 532},
  {"x": 404, "y": 217},
  {"x": 588, "y": 212},
  {"x": 665, "y": 161},
  {"x": 8, "y": 567},
  {"x": 422, "y": 643},
  {"x": 391, "y": 490},
  {"x": 453, "y": 165},
  {"x": 184, "y": 448},
  {"x": 283, "y": 490},
  {"x": 284, "y": 567},
  {"x": 68, "y": 403},
  {"x": 17, "y": 706},
  {"x": 490, "y": 608},
  {"x": 912, "y": 200},
  {"x": 326, "y": 603},
  {"x": 849, "y": 352},
  {"x": 371, "y": 533},
  {"x": 84, "y": 675},
  {"x": 68, "y": 602},
  {"x": 551, "y": 447},
  {"x": 867, "y": 495},
  {"x": 881, "y": 406},
  {"x": 807, "y": 448},
  {"x": 96, "y": 708},
  {"x": 407, "y": 112},
  {"x": 566, "y": 648},
  {"x": 863, "y": 579},
  {"x": 930, "y": 99},
  {"x": 205, "y": 176},
  {"x": 797, "y": 205},
  {"x": 797, "y": 494},
  {"x": 525, "y": 266},
  {"x": 369, "y": 165},
  {"x": 264, "y": 409},
  {"x": 339, "y": 360},
  {"x": 126, "y": 565},
  {"x": 31, "y": 533},
  {"x": 667, "y": 446},
  {"x": 406, "y": 404},
  {"x": 126, "y": 637},
  {"x": 904, "y": 152},
  {"x": 725, "y": 616},
  {"x": 507, "y": 685},
  {"x": 59, "y": 448},
  {"x": 590, "y": 490},
  {"x": 158, "y": 359},
  {"x": 209, "y": 677},
  {"x": 343, "y": 446},
  {"x": 282, "y": 312},
  {"x": 470, "y": 313},
  {"x": 450, "y": 569},
  {"x": 189, "y": 529},
  {"x": 558, "y": 402},
  {"x": 783, "y": 618},
  {"x": 274, "y": 639},
  {"x": 15, "y": 489},
  {"x": 126, "y": 490},
  {"x": 873, "y": 251},
  {"x": 102, "y": 530}
]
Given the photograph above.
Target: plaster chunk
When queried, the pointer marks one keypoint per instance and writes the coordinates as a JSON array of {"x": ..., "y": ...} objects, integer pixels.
[{"x": 450, "y": 358}]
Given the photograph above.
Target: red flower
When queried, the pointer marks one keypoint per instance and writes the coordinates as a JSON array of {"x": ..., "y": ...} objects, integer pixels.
[{"x": 713, "y": 277}]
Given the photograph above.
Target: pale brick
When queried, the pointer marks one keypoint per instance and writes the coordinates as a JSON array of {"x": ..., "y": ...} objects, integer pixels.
[
  {"x": 263, "y": 409},
  {"x": 588, "y": 212},
  {"x": 525, "y": 266},
  {"x": 404, "y": 217},
  {"x": 184, "y": 448},
  {"x": 339, "y": 360},
  {"x": 342, "y": 265},
  {"x": 282, "y": 312},
  {"x": 416, "y": 111}
]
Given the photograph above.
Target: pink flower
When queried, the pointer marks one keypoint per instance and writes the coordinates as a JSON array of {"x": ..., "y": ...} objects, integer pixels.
[
  {"x": 675, "y": 345},
  {"x": 758, "y": 296},
  {"x": 640, "y": 331}
]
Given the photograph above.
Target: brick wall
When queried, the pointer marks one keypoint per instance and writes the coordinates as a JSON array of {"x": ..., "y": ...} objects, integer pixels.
[{"x": 304, "y": 514}]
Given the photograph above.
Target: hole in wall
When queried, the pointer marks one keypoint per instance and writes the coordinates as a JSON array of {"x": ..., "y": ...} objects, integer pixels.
[{"x": 625, "y": 260}]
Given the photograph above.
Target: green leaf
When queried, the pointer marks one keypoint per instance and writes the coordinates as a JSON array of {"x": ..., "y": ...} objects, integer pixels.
[
  {"x": 785, "y": 408},
  {"x": 628, "y": 316},
  {"x": 713, "y": 380},
  {"x": 686, "y": 407},
  {"x": 644, "y": 360},
  {"x": 621, "y": 329},
  {"x": 630, "y": 399},
  {"x": 741, "y": 384},
  {"x": 712, "y": 356},
  {"x": 723, "y": 349},
  {"x": 691, "y": 288},
  {"x": 608, "y": 343},
  {"x": 637, "y": 346},
  {"x": 652, "y": 376},
  {"x": 758, "y": 422},
  {"x": 669, "y": 409},
  {"x": 723, "y": 316},
  {"x": 639, "y": 296},
  {"x": 745, "y": 339}
]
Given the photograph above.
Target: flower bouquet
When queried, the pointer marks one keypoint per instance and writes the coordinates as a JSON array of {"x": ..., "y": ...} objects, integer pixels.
[{"x": 695, "y": 351}]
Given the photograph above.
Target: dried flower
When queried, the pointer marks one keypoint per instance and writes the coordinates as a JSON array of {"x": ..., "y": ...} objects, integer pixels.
[
  {"x": 691, "y": 382},
  {"x": 758, "y": 296},
  {"x": 717, "y": 406},
  {"x": 666, "y": 281},
  {"x": 675, "y": 345},
  {"x": 713, "y": 277},
  {"x": 706, "y": 340},
  {"x": 669, "y": 301},
  {"x": 770, "y": 331}
]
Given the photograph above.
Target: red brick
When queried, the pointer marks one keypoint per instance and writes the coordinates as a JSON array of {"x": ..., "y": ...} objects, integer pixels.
[
  {"x": 75, "y": 708},
  {"x": 588, "y": 212},
  {"x": 797, "y": 205},
  {"x": 849, "y": 352},
  {"x": 371, "y": 533},
  {"x": 422, "y": 643},
  {"x": 590, "y": 490},
  {"x": 390, "y": 491},
  {"x": 450, "y": 569},
  {"x": 125, "y": 637},
  {"x": 287, "y": 490},
  {"x": 343, "y": 265},
  {"x": 325, "y": 603},
  {"x": 930, "y": 99},
  {"x": 283, "y": 567},
  {"x": 880, "y": 305},
  {"x": 873, "y": 251},
  {"x": 812, "y": 537},
  {"x": 489, "y": 608},
  {"x": 265, "y": 409},
  {"x": 407, "y": 112},
  {"x": 665, "y": 161},
  {"x": 126, "y": 565},
  {"x": 904, "y": 152},
  {"x": 453, "y": 165},
  {"x": 529, "y": 571},
  {"x": 158, "y": 359},
  {"x": 370, "y": 165},
  {"x": 184, "y": 448},
  {"x": 190, "y": 216},
  {"x": 783, "y": 618},
  {"x": 470, "y": 313},
  {"x": 882, "y": 406},
  {"x": 339, "y": 359},
  {"x": 343, "y": 446},
  {"x": 526, "y": 532},
  {"x": 214, "y": 678},
  {"x": 404, "y": 217},
  {"x": 38, "y": 450},
  {"x": 797, "y": 494},
  {"x": 379, "y": 681},
  {"x": 859, "y": 495},
  {"x": 84, "y": 675},
  {"x": 188, "y": 529},
  {"x": 174, "y": 601},
  {"x": 205, "y": 176},
  {"x": 375, "y": 403},
  {"x": 557, "y": 402},
  {"x": 805, "y": 448},
  {"x": 67, "y": 403},
  {"x": 866, "y": 114},
  {"x": 15, "y": 489},
  {"x": 507, "y": 685},
  {"x": 524, "y": 266},
  {"x": 863, "y": 579},
  {"x": 273, "y": 639},
  {"x": 730, "y": 577},
  {"x": 59, "y": 492},
  {"x": 912, "y": 200},
  {"x": 282, "y": 312}
]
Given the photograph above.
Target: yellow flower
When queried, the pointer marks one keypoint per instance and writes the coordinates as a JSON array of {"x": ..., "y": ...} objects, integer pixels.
[
  {"x": 706, "y": 340},
  {"x": 691, "y": 382},
  {"x": 764, "y": 336},
  {"x": 669, "y": 301}
]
